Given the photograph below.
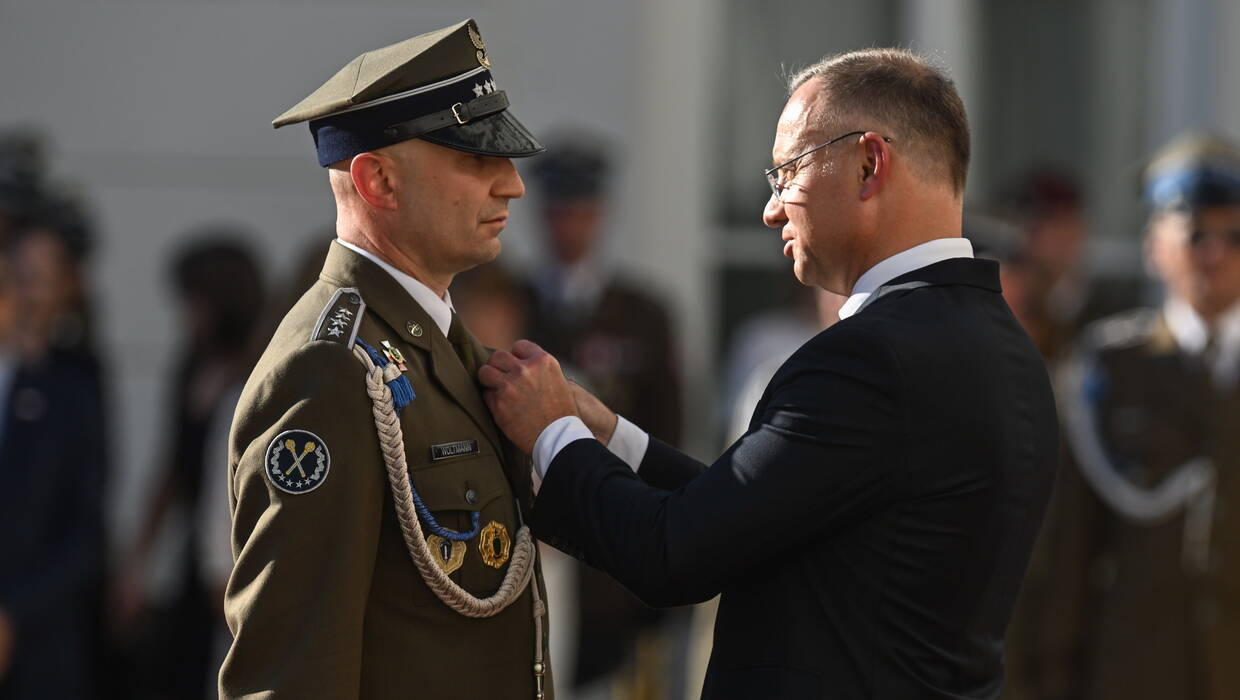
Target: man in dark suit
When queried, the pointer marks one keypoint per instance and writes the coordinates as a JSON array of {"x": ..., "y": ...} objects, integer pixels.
[{"x": 870, "y": 531}]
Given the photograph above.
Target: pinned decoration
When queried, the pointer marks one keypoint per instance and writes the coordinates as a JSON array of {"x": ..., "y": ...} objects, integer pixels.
[
  {"x": 402, "y": 390},
  {"x": 297, "y": 461},
  {"x": 494, "y": 545},
  {"x": 448, "y": 555},
  {"x": 393, "y": 355}
]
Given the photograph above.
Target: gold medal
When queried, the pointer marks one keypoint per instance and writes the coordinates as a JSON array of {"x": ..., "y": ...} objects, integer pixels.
[
  {"x": 494, "y": 545},
  {"x": 448, "y": 555}
]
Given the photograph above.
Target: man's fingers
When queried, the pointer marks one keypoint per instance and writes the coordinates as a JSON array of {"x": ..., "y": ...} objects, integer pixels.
[
  {"x": 503, "y": 360},
  {"x": 525, "y": 349},
  {"x": 490, "y": 377}
]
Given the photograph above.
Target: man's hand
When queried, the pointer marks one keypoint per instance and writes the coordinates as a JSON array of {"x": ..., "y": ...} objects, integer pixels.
[
  {"x": 526, "y": 392},
  {"x": 598, "y": 418}
]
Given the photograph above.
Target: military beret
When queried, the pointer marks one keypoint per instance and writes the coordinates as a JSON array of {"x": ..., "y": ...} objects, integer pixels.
[
  {"x": 1195, "y": 170},
  {"x": 436, "y": 86}
]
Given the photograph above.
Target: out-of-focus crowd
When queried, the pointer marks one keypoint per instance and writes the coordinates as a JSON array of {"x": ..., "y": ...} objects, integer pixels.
[{"x": 1133, "y": 592}]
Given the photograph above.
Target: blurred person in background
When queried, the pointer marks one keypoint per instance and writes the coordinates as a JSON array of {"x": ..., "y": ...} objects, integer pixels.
[
  {"x": 218, "y": 285},
  {"x": 1150, "y": 404},
  {"x": 616, "y": 338},
  {"x": 492, "y": 303},
  {"x": 52, "y": 465},
  {"x": 773, "y": 332},
  {"x": 1059, "y": 295}
]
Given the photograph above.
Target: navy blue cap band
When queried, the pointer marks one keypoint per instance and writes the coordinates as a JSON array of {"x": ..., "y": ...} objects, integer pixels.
[
  {"x": 1193, "y": 187},
  {"x": 360, "y": 129}
]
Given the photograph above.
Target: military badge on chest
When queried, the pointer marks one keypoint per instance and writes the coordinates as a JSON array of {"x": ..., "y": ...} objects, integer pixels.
[{"x": 297, "y": 461}]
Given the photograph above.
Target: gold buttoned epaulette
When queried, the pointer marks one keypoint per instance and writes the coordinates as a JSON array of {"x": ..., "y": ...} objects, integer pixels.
[{"x": 341, "y": 317}]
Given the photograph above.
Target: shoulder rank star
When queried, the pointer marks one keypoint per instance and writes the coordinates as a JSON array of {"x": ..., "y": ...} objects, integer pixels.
[{"x": 393, "y": 355}]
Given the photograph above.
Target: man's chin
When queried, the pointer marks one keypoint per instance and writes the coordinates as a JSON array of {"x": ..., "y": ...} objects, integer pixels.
[{"x": 801, "y": 271}]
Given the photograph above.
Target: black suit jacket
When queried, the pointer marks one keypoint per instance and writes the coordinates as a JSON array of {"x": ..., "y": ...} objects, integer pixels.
[{"x": 870, "y": 532}]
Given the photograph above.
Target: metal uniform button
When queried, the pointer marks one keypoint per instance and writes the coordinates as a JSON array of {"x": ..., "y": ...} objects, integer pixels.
[
  {"x": 415, "y": 329},
  {"x": 471, "y": 496},
  {"x": 355, "y": 299}
]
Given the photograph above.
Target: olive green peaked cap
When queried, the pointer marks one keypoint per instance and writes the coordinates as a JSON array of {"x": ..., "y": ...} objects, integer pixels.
[
  {"x": 436, "y": 86},
  {"x": 425, "y": 58}
]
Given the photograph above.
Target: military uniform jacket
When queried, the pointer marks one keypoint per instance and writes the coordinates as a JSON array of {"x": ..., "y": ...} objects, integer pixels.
[
  {"x": 1159, "y": 622},
  {"x": 324, "y": 600}
]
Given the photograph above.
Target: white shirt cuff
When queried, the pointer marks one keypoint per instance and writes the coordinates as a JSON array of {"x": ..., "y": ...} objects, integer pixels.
[
  {"x": 556, "y": 437},
  {"x": 628, "y": 442}
]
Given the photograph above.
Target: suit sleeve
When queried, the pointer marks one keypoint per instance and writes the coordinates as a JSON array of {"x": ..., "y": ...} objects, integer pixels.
[
  {"x": 665, "y": 467},
  {"x": 824, "y": 455},
  {"x": 304, "y": 561}
]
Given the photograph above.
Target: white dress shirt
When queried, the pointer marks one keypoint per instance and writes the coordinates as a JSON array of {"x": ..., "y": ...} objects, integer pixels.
[
  {"x": 440, "y": 309},
  {"x": 629, "y": 442},
  {"x": 914, "y": 258}
]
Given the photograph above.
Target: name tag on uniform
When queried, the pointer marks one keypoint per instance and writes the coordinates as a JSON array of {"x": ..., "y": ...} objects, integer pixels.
[{"x": 454, "y": 449}]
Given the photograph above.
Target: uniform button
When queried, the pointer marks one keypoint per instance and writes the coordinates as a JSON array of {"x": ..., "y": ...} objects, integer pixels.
[
  {"x": 415, "y": 329},
  {"x": 355, "y": 299},
  {"x": 471, "y": 496}
]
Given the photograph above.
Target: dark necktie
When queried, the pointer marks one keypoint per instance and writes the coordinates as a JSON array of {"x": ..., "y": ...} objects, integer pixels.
[{"x": 463, "y": 347}]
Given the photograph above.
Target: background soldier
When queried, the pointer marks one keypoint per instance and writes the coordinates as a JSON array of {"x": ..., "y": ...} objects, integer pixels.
[
  {"x": 616, "y": 339},
  {"x": 1151, "y": 404},
  {"x": 361, "y": 440}
]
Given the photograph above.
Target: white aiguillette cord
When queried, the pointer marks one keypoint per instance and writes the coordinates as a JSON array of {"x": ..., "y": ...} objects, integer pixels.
[{"x": 520, "y": 568}]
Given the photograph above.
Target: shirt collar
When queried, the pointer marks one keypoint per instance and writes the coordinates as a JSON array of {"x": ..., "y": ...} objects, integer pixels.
[
  {"x": 914, "y": 258},
  {"x": 439, "y": 309},
  {"x": 1191, "y": 332}
]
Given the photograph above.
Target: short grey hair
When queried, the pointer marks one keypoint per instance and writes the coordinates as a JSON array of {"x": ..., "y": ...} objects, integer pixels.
[{"x": 904, "y": 93}]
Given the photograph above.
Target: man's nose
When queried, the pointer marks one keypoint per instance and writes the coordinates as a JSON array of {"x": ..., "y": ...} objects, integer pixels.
[
  {"x": 509, "y": 184},
  {"x": 773, "y": 215}
]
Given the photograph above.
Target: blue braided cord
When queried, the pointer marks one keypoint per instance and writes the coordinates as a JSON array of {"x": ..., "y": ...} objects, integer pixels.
[
  {"x": 402, "y": 395},
  {"x": 402, "y": 390},
  {"x": 433, "y": 525}
]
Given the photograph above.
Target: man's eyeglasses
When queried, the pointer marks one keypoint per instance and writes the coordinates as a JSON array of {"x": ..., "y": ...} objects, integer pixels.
[{"x": 779, "y": 178}]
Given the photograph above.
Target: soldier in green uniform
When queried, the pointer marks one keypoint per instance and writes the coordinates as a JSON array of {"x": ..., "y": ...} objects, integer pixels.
[
  {"x": 377, "y": 512},
  {"x": 1151, "y": 405}
]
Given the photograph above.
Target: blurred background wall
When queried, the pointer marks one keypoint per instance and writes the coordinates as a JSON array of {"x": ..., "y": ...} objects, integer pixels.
[{"x": 159, "y": 114}]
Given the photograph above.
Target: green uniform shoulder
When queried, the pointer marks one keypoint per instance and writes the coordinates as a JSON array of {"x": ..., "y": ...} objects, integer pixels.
[
  {"x": 340, "y": 318},
  {"x": 1122, "y": 331}
]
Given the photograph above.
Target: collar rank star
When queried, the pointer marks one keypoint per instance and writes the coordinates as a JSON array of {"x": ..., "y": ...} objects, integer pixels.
[{"x": 297, "y": 461}]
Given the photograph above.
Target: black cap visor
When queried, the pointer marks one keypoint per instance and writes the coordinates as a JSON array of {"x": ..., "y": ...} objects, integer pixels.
[{"x": 494, "y": 135}]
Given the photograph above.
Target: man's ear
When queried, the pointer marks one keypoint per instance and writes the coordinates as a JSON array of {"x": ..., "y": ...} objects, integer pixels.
[
  {"x": 375, "y": 178},
  {"x": 876, "y": 167}
]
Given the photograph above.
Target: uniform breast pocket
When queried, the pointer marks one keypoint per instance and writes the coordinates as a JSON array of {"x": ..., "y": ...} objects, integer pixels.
[{"x": 452, "y": 491}]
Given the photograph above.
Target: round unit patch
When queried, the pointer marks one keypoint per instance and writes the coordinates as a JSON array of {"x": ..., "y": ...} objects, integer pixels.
[{"x": 297, "y": 461}]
